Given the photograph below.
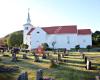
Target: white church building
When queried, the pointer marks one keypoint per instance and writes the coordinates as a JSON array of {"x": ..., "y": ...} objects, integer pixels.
[{"x": 67, "y": 36}]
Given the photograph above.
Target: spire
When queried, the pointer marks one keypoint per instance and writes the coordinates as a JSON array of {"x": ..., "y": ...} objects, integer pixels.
[{"x": 28, "y": 19}]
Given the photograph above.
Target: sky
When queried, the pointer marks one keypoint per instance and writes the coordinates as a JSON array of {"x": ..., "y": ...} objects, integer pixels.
[{"x": 44, "y": 13}]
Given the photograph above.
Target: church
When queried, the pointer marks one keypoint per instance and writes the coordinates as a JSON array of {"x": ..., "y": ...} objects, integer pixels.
[{"x": 67, "y": 36}]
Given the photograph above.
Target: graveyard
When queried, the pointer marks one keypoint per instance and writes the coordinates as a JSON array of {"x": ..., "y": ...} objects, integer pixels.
[{"x": 54, "y": 66}]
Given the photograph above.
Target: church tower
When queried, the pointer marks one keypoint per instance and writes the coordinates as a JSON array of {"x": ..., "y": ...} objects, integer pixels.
[{"x": 27, "y": 27}]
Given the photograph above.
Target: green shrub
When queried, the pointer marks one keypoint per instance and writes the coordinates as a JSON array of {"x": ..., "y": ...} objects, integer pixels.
[{"x": 77, "y": 47}]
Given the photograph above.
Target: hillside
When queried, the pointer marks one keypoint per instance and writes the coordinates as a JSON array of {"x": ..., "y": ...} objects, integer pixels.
[{"x": 4, "y": 39}]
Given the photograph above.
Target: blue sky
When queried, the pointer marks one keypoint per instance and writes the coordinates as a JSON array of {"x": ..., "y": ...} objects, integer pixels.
[{"x": 83, "y": 13}]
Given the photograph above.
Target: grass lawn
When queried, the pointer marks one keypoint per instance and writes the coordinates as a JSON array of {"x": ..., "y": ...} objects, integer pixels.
[{"x": 73, "y": 69}]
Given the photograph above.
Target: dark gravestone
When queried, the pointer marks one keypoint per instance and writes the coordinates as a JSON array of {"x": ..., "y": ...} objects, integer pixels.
[
  {"x": 44, "y": 56},
  {"x": 39, "y": 74},
  {"x": 83, "y": 55},
  {"x": 25, "y": 56},
  {"x": 59, "y": 57},
  {"x": 14, "y": 58},
  {"x": 33, "y": 53},
  {"x": 66, "y": 53},
  {"x": 36, "y": 57},
  {"x": 88, "y": 64},
  {"x": 48, "y": 55},
  {"x": 85, "y": 59},
  {"x": 23, "y": 76}
]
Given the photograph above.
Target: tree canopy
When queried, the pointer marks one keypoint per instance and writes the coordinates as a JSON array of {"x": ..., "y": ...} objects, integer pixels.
[
  {"x": 96, "y": 39},
  {"x": 15, "y": 39}
]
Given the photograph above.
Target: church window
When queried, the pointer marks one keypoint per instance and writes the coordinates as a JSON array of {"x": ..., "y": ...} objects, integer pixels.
[
  {"x": 37, "y": 41},
  {"x": 26, "y": 28},
  {"x": 84, "y": 41},
  {"x": 38, "y": 32},
  {"x": 68, "y": 40}
]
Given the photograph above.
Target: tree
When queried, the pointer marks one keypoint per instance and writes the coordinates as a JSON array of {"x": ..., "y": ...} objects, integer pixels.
[
  {"x": 77, "y": 47},
  {"x": 96, "y": 39},
  {"x": 15, "y": 39}
]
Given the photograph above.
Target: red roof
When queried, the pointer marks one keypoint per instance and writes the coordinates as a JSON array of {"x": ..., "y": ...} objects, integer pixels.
[
  {"x": 84, "y": 31},
  {"x": 58, "y": 29},
  {"x": 63, "y": 29}
]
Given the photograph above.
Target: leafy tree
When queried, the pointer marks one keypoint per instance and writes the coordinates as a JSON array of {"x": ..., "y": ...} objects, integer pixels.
[
  {"x": 15, "y": 39},
  {"x": 96, "y": 39},
  {"x": 77, "y": 47}
]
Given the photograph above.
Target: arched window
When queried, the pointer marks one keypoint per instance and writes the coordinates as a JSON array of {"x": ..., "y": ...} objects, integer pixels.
[
  {"x": 26, "y": 28},
  {"x": 68, "y": 40},
  {"x": 38, "y": 32}
]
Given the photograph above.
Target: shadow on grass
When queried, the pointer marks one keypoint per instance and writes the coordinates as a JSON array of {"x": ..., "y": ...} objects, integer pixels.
[
  {"x": 66, "y": 73},
  {"x": 59, "y": 73},
  {"x": 77, "y": 62}
]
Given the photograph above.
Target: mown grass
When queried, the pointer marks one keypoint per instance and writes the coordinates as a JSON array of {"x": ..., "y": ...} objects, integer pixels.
[{"x": 73, "y": 69}]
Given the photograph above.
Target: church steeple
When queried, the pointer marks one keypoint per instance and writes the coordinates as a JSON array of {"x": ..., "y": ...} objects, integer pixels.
[{"x": 28, "y": 18}]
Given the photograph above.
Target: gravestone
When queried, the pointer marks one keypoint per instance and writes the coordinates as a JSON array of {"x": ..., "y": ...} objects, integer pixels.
[
  {"x": 66, "y": 52},
  {"x": 39, "y": 74},
  {"x": 48, "y": 55},
  {"x": 59, "y": 57},
  {"x": 63, "y": 54},
  {"x": 14, "y": 58},
  {"x": 36, "y": 57},
  {"x": 23, "y": 76},
  {"x": 53, "y": 63},
  {"x": 85, "y": 59},
  {"x": 44, "y": 56},
  {"x": 24, "y": 56},
  {"x": 82, "y": 54},
  {"x": 88, "y": 65}
]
